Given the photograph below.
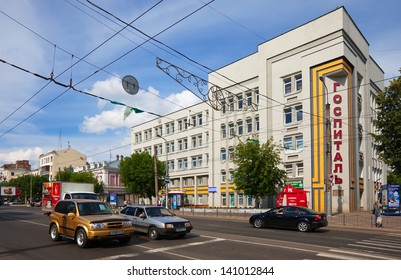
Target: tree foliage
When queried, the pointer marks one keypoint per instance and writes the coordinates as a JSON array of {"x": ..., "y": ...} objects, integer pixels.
[
  {"x": 137, "y": 174},
  {"x": 258, "y": 173},
  {"x": 26, "y": 181},
  {"x": 388, "y": 125}
]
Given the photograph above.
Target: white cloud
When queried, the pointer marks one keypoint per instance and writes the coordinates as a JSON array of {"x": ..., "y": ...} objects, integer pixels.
[
  {"x": 148, "y": 101},
  {"x": 31, "y": 154}
]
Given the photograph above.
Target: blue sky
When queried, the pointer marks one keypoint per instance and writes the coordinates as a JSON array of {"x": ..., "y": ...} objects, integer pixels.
[{"x": 43, "y": 36}]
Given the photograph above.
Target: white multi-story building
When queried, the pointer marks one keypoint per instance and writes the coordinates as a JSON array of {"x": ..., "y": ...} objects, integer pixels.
[{"x": 293, "y": 88}]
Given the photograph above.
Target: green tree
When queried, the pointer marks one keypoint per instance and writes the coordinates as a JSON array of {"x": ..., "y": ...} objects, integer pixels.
[
  {"x": 257, "y": 173},
  {"x": 26, "y": 181},
  {"x": 388, "y": 125},
  {"x": 137, "y": 174},
  {"x": 393, "y": 178},
  {"x": 87, "y": 177}
]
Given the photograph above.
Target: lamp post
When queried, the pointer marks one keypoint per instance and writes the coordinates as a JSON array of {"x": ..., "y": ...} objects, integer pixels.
[
  {"x": 166, "y": 176},
  {"x": 328, "y": 175}
]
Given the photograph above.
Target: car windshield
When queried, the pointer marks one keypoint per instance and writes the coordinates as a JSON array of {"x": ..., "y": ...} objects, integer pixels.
[
  {"x": 158, "y": 212},
  {"x": 94, "y": 208}
]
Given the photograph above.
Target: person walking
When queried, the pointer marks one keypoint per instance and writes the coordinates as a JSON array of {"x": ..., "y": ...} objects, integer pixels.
[{"x": 376, "y": 211}]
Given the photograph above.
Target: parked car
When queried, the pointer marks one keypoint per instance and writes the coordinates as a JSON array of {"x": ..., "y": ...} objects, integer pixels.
[
  {"x": 36, "y": 203},
  {"x": 290, "y": 217},
  {"x": 86, "y": 220},
  {"x": 156, "y": 221}
]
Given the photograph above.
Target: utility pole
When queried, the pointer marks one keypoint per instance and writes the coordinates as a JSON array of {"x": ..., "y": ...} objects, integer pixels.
[
  {"x": 156, "y": 175},
  {"x": 328, "y": 173}
]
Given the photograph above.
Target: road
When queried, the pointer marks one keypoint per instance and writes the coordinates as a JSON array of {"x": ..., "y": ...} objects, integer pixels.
[{"x": 24, "y": 236}]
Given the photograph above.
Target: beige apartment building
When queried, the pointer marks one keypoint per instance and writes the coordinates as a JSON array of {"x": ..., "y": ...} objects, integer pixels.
[
  {"x": 312, "y": 89},
  {"x": 55, "y": 161}
]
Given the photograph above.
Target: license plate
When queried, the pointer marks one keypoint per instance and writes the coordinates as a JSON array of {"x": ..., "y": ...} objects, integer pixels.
[
  {"x": 116, "y": 232},
  {"x": 180, "y": 229}
]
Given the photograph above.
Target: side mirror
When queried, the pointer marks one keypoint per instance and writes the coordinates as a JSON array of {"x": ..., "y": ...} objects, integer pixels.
[{"x": 71, "y": 214}]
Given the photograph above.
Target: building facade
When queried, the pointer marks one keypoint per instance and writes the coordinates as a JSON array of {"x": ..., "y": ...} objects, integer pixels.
[
  {"x": 55, "y": 161},
  {"x": 311, "y": 89},
  {"x": 108, "y": 173}
]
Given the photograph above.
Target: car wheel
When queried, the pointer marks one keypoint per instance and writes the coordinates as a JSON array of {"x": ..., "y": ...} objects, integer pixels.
[
  {"x": 153, "y": 233},
  {"x": 81, "y": 238},
  {"x": 303, "y": 226},
  {"x": 54, "y": 235},
  {"x": 124, "y": 240},
  {"x": 258, "y": 223}
]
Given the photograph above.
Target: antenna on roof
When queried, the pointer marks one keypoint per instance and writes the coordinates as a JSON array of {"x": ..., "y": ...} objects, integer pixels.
[{"x": 59, "y": 141}]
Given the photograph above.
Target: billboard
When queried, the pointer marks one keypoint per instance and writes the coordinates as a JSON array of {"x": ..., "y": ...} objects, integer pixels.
[{"x": 8, "y": 191}]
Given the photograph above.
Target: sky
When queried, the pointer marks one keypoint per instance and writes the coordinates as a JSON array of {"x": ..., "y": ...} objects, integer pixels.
[{"x": 87, "y": 47}]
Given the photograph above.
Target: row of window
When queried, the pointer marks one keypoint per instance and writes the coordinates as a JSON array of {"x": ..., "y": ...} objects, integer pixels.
[
  {"x": 192, "y": 162},
  {"x": 170, "y": 127},
  {"x": 241, "y": 101},
  {"x": 238, "y": 129}
]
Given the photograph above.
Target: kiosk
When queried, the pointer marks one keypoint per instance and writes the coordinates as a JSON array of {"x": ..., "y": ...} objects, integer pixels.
[{"x": 390, "y": 200}]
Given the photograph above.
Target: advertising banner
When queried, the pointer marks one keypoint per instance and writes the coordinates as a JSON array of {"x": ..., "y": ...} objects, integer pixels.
[{"x": 8, "y": 191}]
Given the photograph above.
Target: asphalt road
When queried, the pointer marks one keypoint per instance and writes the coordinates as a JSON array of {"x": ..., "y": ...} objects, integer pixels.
[{"x": 24, "y": 236}]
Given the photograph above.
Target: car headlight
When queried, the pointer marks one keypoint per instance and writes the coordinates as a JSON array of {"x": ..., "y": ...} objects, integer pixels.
[
  {"x": 97, "y": 225},
  {"x": 188, "y": 224},
  {"x": 127, "y": 223},
  {"x": 169, "y": 226}
]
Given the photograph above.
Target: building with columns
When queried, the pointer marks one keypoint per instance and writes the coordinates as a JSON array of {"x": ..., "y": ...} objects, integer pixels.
[{"x": 312, "y": 89}]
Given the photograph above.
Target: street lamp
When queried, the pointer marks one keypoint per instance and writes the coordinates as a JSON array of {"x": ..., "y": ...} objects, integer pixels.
[
  {"x": 328, "y": 176},
  {"x": 166, "y": 176}
]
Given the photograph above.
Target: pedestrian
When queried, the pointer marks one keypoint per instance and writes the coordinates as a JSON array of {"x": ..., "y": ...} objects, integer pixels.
[{"x": 376, "y": 211}]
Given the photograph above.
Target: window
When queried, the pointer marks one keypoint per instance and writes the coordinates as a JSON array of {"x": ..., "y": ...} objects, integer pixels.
[
  {"x": 293, "y": 114},
  {"x": 249, "y": 99},
  {"x": 231, "y": 130},
  {"x": 223, "y": 154},
  {"x": 223, "y": 131},
  {"x": 288, "y": 170},
  {"x": 299, "y": 171},
  {"x": 298, "y": 82},
  {"x": 194, "y": 142},
  {"x": 182, "y": 164},
  {"x": 223, "y": 176},
  {"x": 257, "y": 127},
  {"x": 230, "y": 153},
  {"x": 239, "y": 102},
  {"x": 170, "y": 165},
  {"x": 185, "y": 144},
  {"x": 288, "y": 143},
  {"x": 196, "y": 161},
  {"x": 194, "y": 121},
  {"x": 298, "y": 113},
  {"x": 169, "y": 128},
  {"x": 248, "y": 125},
  {"x": 240, "y": 128},
  {"x": 200, "y": 121},
  {"x": 299, "y": 142},
  {"x": 180, "y": 145},
  {"x": 231, "y": 104},
  {"x": 293, "y": 143},
  {"x": 288, "y": 115},
  {"x": 292, "y": 84},
  {"x": 287, "y": 85}
]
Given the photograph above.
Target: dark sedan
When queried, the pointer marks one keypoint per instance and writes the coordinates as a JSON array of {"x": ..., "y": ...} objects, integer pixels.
[{"x": 290, "y": 217}]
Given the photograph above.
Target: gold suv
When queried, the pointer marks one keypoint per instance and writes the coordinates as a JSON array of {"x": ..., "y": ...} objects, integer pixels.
[{"x": 87, "y": 220}]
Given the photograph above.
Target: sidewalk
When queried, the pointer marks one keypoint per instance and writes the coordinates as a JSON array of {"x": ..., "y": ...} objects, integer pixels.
[
  {"x": 356, "y": 220},
  {"x": 365, "y": 220}
]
